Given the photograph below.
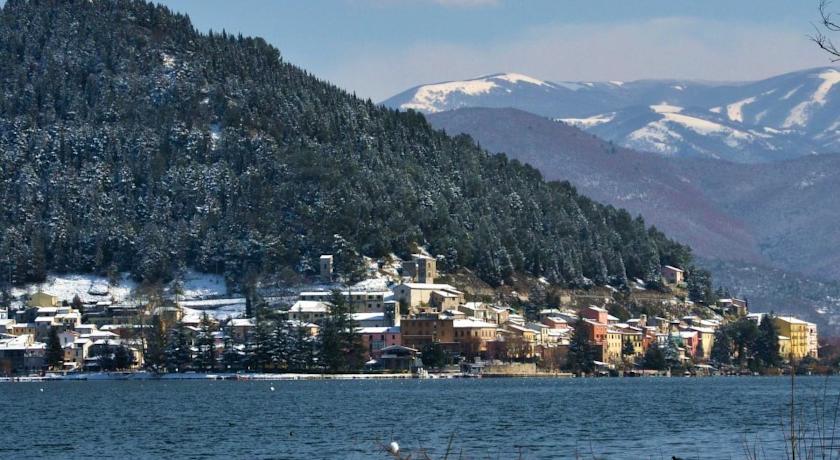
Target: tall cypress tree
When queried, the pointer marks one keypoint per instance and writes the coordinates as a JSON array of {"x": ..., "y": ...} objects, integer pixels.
[
  {"x": 55, "y": 354},
  {"x": 767, "y": 342},
  {"x": 341, "y": 347}
]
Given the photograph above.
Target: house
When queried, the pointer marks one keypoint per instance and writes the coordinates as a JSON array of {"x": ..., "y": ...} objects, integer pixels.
[
  {"x": 21, "y": 355},
  {"x": 707, "y": 340},
  {"x": 690, "y": 341},
  {"x": 417, "y": 294},
  {"x": 473, "y": 335},
  {"x": 310, "y": 329},
  {"x": 611, "y": 346},
  {"x": 42, "y": 299},
  {"x": 309, "y": 311},
  {"x": 374, "y": 339},
  {"x": 597, "y": 314},
  {"x": 240, "y": 328},
  {"x": 497, "y": 315},
  {"x": 522, "y": 341},
  {"x": 737, "y": 307},
  {"x": 398, "y": 358},
  {"x": 595, "y": 332},
  {"x": 798, "y": 333},
  {"x": 360, "y": 300},
  {"x": 555, "y": 322},
  {"x": 673, "y": 275},
  {"x": 475, "y": 310},
  {"x": 420, "y": 331}
]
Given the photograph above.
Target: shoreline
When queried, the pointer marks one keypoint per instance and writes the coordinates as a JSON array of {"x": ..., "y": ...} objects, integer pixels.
[{"x": 222, "y": 376}]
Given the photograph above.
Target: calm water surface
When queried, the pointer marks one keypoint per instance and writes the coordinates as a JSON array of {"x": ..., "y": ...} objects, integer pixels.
[{"x": 496, "y": 419}]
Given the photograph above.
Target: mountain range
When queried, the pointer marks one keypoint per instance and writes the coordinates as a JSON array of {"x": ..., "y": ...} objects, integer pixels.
[
  {"x": 783, "y": 117},
  {"x": 767, "y": 231}
]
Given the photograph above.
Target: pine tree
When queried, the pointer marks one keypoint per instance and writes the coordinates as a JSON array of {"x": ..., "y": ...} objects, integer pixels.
[
  {"x": 655, "y": 358},
  {"x": 627, "y": 348},
  {"x": 154, "y": 356},
  {"x": 231, "y": 358},
  {"x": 581, "y": 354},
  {"x": 123, "y": 358},
  {"x": 55, "y": 354},
  {"x": 767, "y": 342},
  {"x": 341, "y": 348},
  {"x": 178, "y": 355},
  {"x": 722, "y": 347},
  {"x": 205, "y": 358}
]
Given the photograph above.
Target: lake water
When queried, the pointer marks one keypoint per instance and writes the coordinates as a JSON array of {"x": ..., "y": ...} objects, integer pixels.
[{"x": 486, "y": 418}]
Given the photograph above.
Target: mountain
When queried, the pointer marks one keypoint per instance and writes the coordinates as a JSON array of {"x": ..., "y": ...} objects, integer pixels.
[
  {"x": 783, "y": 117},
  {"x": 130, "y": 141},
  {"x": 767, "y": 231}
]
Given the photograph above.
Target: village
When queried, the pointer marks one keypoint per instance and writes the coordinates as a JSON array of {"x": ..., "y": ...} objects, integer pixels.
[{"x": 409, "y": 323}]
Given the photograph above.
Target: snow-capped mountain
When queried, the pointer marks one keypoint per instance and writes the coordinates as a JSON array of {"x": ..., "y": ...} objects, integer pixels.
[{"x": 783, "y": 117}]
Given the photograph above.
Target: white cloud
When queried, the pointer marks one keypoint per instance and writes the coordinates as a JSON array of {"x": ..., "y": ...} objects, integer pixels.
[{"x": 657, "y": 48}]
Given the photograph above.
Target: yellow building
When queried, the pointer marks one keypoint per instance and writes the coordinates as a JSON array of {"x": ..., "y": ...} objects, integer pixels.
[
  {"x": 797, "y": 331},
  {"x": 41, "y": 299},
  {"x": 612, "y": 345},
  {"x": 784, "y": 346},
  {"x": 636, "y": 338}
]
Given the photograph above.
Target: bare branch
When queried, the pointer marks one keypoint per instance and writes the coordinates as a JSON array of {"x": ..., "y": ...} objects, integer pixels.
[{"x": 830, "y": 24}]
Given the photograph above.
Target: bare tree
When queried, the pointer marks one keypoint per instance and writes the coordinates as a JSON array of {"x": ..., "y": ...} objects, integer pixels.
[{"x": 828, "y": 23}]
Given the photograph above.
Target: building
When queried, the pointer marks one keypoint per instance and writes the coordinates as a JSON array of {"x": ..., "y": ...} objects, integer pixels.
[
  {"x": 797, "y": 331},
  {"x": 595, "y": 332},
  {"x": 421, "y": 331},
  {"x": 419, "y": 294},
  {"x": 371, "y": 319},
  {"x": 813, "y": 341},
  {"x": 673, "y": 275},
  {"x": 374, "y": 339},
  {"x": 21, "y": 355},
  {"x": 309, "y": 311},
  {"x": 737, "y": 307},
  {"x": 41, "y": 299},
  {"x": 473, "y": 335},
  {"x": 326, "y": 268},
  {"x": 360, "y": 300},
  {"x": 421, "y": 269},
  {"x": 707, "y": 341},
  {"x": 597, "y": 314}
]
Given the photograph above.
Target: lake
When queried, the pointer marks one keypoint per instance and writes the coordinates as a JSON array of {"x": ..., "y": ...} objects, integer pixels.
[{"x": 486, "y": 418}]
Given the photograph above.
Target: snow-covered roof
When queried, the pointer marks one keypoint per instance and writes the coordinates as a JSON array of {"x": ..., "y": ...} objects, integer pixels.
[
  {"x": 378, "y": 330},
  {"x": 310, "y": 306},
  {"x": 243, "y": 322},
  {"x": 472, "y": 324},
  {"x": 671, "y": 267},
  {"x": 368, "y": 316},
  {"x": 44, "y": 319},
  {"x": 431, "y": 287},
  {"x": 44, "y": 311}
]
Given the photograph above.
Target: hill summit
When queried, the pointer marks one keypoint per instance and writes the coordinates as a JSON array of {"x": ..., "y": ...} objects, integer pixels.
[{"x": 130, "y": 141}]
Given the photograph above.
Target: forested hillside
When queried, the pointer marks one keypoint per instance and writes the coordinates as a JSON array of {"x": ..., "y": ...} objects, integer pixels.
[{"x": 130, "y": 141}]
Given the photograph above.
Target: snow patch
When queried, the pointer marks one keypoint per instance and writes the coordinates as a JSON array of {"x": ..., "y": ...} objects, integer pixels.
[
  {"x": 518, "y": 77},
  {"x": 589, "y": 122},
  {"x": 664, "y": 107},
  {"x": 734, "y": 110},
  {"x": 799, "y": 115},
  {"x": 430, "y": 98}
]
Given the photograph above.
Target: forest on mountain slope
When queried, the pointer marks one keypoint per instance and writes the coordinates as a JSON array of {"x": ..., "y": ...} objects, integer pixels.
[{"x": 129, "y": 141}]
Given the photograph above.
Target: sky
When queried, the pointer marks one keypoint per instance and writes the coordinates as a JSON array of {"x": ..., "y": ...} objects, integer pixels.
[{"x": 378, "y": 48}]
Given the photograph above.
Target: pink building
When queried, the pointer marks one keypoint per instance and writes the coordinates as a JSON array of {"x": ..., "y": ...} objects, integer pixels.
[{"x": 374, "y": 339}]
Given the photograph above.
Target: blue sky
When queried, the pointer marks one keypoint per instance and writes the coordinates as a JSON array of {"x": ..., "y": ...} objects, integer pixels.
[{"x": 380, "y": 47}]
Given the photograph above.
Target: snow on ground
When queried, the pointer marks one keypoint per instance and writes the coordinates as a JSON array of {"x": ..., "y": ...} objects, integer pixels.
[
  {"x": 197, "y": 285},
  {"x": 219, "y": 313},
  {"x": 372, "y": 284},
  {"x": 65, "y": 287}
]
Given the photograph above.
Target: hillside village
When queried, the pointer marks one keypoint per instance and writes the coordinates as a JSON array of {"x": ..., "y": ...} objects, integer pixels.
[{"x": 404, "y": 322}]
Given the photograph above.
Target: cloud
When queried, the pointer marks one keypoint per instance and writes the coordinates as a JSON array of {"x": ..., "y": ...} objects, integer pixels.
[{"x": 686, "y": 48}]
